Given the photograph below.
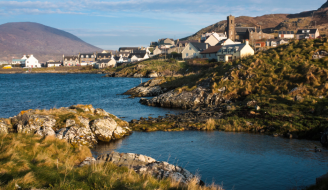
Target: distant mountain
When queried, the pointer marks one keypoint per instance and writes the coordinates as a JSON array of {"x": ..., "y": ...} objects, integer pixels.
[
  {"x": 273, "y": 22},
  {"x": 17, "y": 39}
]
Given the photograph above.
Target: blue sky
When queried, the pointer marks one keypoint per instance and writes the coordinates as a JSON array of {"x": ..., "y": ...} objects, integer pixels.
[{"x": 109, "y": 24}]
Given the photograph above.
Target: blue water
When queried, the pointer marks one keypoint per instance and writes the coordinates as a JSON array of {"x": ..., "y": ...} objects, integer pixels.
[
  {"x": 43, "y": 91},
  {"x": 239, "y": 161},
  {"x": 236, "y": 160}
]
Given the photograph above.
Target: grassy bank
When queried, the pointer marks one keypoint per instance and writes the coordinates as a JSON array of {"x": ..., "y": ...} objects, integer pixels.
[
  {"x": 288, "y": 85},
  {"x": 29, "y": 162}
]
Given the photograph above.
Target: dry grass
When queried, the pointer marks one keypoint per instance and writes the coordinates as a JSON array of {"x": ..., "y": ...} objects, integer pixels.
[
  {"x": 33, "y": 162},
  {"x": 210, "y": 125}
]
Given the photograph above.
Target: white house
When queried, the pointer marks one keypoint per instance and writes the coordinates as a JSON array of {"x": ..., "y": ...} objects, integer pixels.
[
  {"x": 286, "y": 34},
  {"x": 215, "y": 38},
  {"x": 52, "y": 63},
  {"x": 31, "y": 61},
  {"x": 275, "y": 42},
  {"x": 192, "y": 50},
  {"x": 228, "y": 41},
  {"x": 307, "y": 34},
  {"x": 138, "y": 57},
  {"x": 230, "y": 52}
]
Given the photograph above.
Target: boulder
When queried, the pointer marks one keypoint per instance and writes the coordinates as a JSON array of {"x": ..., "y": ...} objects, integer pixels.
[
  {"x": 45, "y": 131},
  {"x": 137, "y": 75},
  {"x": 77, "y": 135},
  {"x": 101, "y": 112},
  {"x": 152, "y": 74},
  {"x": 84, "y": 121},
  {"x": 70, "y": 122},
  {"x": 30, "y": 123},
  {"x": 143, "y": 164},
  {"x": 3, "y": 127},
  {"x": 104, "y": 128}
]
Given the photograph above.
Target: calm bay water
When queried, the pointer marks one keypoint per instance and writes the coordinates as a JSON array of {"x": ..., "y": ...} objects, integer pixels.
[
  {"x": 30, "y": 91},
  {"x": 239, "y": 161},
  {"x": 236, "y": 160}
]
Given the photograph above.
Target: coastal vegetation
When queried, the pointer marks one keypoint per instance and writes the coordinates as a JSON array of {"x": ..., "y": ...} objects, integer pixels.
[
  {"x": 28, "y": 161},
  {"x": 279, "y": 91}
]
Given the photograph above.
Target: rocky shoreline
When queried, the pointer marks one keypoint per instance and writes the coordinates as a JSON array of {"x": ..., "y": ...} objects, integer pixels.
[
  {"x": 142, "y": 164},
  {"x": 77, "y": 124}
]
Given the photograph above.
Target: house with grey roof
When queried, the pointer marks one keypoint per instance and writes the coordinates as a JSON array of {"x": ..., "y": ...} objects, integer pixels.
[
  {"x": 103, "y": 63},
  {"x": 133, "y": 57},
  {"x": 193, "y": 49},
  {"x": 70, "y": 60},
  {"x": 210, "y": 53},
  {"x": 234, "y": 51},
  {"x": 307, "y": 34}
]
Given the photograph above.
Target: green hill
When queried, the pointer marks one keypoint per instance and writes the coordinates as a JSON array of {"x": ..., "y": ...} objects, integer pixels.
[{"x": 288, "y": 85}]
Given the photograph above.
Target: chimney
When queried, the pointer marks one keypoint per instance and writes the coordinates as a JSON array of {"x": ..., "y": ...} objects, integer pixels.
[
  {"x": 247, "y": 42},
  {"x": 198, "y": 40},
  {"x": 255, "y": 29}
]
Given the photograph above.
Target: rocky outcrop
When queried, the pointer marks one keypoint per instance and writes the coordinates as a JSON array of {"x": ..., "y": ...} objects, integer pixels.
[
  {"x": 84, "y": 125},
  {"x": 147, "y": 89},
  {"x": 77, "y": 135},
  {"x": 3, "y": 127},
  {"x": 185, "y": 100},
  {"x": 31, "y": 123},
  {"x": 147, "y": 165}
]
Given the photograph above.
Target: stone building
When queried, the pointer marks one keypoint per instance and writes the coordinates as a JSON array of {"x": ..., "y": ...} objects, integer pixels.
[{"x": 245, "y": 33}]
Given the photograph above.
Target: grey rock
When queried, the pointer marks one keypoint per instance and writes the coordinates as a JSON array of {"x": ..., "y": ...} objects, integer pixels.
[
  {"x": 101, "y": 112},
  {"x": 45, "y": 131},
  {"x": 3, "y": 127},
  {"x": 144, "y": 164},
  {"x": 77, "y": 135},
  {"x": 70, "y": 122}
]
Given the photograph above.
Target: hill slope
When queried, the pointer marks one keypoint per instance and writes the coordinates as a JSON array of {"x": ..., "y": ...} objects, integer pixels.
[
  {"x": 42, "y": 41},
  {"x": 272, "y": 22}
]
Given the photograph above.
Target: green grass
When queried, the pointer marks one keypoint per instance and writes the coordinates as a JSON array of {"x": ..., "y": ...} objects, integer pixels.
[{"x": 33, "y": 162}]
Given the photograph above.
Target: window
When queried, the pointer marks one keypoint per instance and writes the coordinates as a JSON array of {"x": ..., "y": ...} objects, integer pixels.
[
  {"x": 91, "y": 56},
  {"x": 187, "y": 54},
  {"x": 81, "y": 56},
  {"x": 189, "y": 48},
  {"x": 87, "y": 56},
  {"x": 260, "y": 37},
  {"x": 194, "y": 54}
]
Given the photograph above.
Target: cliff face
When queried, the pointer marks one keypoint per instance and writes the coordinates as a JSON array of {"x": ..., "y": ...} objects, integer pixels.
[{"x": 42, "y": 41}]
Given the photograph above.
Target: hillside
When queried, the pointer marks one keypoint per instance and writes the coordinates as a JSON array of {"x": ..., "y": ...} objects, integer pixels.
[
  {"x": 42, "y": 41},
  {"x": 274, "y": 22}
]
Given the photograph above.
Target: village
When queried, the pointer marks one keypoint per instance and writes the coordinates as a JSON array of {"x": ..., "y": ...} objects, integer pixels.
[{"x": 234, "y": 43}]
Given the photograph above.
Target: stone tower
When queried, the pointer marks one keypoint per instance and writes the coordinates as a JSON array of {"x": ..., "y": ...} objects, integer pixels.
[{"x": 231, "y": 30}]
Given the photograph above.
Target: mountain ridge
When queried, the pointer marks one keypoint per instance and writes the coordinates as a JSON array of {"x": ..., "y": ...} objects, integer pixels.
[{"x": 44, "y": 42}]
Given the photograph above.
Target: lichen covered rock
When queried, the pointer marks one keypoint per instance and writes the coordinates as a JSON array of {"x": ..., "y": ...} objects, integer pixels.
[
  {"x": 144, "y": 164},
  {"x": 78, "y": 124},
  {"x": 3, "y": 127}
]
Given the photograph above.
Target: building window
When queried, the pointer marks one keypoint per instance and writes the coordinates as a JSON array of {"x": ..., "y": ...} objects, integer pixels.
[
  {"x": 81, "y": 56},
  {"x": 189, "y": 48},
  {"x": 187, "y": 54},
  {"x": 194, "y": 54},
  {"x": 87, "y": 56}
]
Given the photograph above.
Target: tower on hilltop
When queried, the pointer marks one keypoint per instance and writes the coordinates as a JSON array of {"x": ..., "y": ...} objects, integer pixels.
[{"x": 231, "y": 30}]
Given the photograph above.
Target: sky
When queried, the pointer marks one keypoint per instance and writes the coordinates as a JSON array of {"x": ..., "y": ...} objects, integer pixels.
[{"x": 110, "y": 24}]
